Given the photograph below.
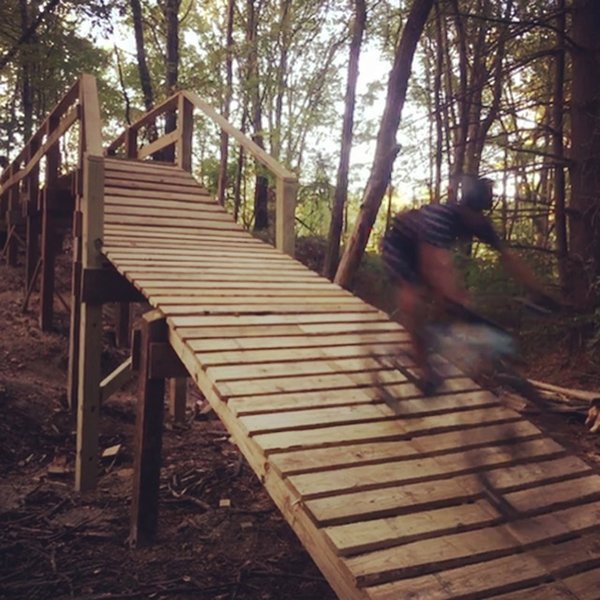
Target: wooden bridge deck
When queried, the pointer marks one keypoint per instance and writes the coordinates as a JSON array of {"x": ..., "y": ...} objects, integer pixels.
[{"x": 390, "y": 506}]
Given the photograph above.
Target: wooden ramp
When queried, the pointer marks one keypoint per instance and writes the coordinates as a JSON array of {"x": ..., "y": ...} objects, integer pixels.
[{"x": 455, "y": 497}]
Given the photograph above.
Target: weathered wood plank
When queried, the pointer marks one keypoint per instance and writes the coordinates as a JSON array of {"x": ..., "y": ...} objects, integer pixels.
[
  {"x": 290, "y": 463},
  {"x": 377, "y": 534},
  {"x": 393, "y": 472},
  {"x": 484, "y": 578}
]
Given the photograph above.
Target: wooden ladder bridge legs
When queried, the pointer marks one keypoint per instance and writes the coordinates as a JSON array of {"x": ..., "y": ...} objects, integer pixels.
[{"x": 156, "y": 361}]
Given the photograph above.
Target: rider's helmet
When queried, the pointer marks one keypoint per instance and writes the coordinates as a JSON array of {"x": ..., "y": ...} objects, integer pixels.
[{"x": 477, "y": 193}]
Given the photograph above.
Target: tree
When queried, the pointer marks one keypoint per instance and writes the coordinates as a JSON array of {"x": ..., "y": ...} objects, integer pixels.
[
  {"x": 387, "y": 148},
  {"x": 341, "y": 189},
  {"x": 584, "y": 225}
]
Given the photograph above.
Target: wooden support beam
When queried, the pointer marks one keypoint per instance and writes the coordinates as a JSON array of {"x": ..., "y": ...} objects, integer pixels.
[
  {"x": 164, "y": 362},
  {"x": 90, "y": 330},
  {"x": 177, "y": 398},
  {"x": 104, "y": 285},
  {"x": 185, "y": 126},
  {"x": 148, "y": 434},
  {"x": 285, "y": 215},
  {"x": 49, "y": 242},
  {"x": 123, "y": 323},
  {"x": 116, "y": 380}
]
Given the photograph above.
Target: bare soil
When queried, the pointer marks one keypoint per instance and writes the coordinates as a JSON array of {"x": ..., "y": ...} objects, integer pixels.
[{"x": 220, "y": 536}]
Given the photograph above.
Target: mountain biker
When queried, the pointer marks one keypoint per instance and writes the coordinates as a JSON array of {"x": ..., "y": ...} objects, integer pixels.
[{"x": 417, "y": 252}]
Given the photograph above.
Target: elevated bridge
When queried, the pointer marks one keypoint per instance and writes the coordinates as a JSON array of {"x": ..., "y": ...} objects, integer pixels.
[{"x": 450, "y": 496}]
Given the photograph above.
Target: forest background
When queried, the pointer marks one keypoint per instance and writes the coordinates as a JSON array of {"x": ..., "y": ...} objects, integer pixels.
[{"x": 376, "y": 105}]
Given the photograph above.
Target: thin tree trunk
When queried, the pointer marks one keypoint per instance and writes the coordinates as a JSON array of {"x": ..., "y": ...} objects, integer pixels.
[
  {"x": 144, "y": 73},
  {"x": 584, "y": 226},
  {"x": 341, "y": 189},
  {"x": 26, "y": 91},
  {"x": 387, "y": 147},
  {"x": 222, "y": 182},
  {"x": 558, "y": 149},
  {"x": 261, "y": 187},
  {"x": 172, "y": 67}
]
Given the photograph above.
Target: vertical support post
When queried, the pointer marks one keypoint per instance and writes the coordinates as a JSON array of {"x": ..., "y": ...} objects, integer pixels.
[
  {"x": 12, "y": 250},
  {"x": 148, "y": 435},
  {"x": 185, "y": 124},
  {"x": 177, "y": 398},
  {"x": 285, "y": 209},
  {"x": 32, "y": 215},
  {"x": 131, "y": 142},
  {"x": 48, "y": 259},
  {"x": 75, "y": 317},
  {"x": 90, "y": 335},
  {"x": 123, "y": 324}
]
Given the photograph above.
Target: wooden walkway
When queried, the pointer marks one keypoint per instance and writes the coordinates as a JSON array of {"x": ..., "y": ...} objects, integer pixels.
[{"x": 457, "y": 496}]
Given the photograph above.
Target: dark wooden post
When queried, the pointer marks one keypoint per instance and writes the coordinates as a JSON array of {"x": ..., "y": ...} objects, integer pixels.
[
  {"x": 185, "y": 124},
  {"x": 48, "y": 260},
  {"x": 32, "y": 215},
  {"x": 148, "y": 434}
]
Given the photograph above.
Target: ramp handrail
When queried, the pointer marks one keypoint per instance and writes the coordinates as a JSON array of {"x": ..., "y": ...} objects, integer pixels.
[
  {"x": 181, "y": 138},
  {"x": 79, "y": 104}
]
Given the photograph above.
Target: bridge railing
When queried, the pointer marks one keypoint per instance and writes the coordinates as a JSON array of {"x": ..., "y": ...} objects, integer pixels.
[
  {"x": 33, "y": 205},
  {"x": 179, "y": 143}
]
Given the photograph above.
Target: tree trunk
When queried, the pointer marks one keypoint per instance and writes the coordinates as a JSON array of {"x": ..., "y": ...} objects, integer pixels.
[
  {"x": 584, "y": 226},
  {"x": 261, "y": 187},
  {"x": 387, "y": 147},
  {"x": 26, "y": 91},
  {"x": 172, "y": 67},
  {"x": 145, "y": 80},
  {"x": 341, "y": 189},
  {"x": 222, "y": 182},
  {"x": 558, "y": 149}
]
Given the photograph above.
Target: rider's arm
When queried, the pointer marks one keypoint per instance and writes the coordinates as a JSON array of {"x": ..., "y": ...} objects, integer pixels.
[{"x": 518, "y": 269}]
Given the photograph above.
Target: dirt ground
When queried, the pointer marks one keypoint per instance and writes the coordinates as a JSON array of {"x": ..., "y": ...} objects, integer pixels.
[{"x": 220, "y": 536}]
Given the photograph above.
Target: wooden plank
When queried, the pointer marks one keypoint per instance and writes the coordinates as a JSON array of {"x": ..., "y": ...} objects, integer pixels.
[
  {"x": 397, "y": 499},
  {"x": 279, "y": 385},
  {"x": 179, "y": 233},
  {"x": 130, "y": 166},
  {"x": 233, "y": 295},
  {"x": 304, "y": 319},
  {"x": 182, "y": 222},
  {"x": 542, "y": 592},
  {"x": 307, "y": 461},
  {"x": 154, "y": 201},
  {"x": 145, "y": 191},
  {"x": 555, "y": 495},
  {"x": 173, "y": 177},
  {"x": 585, "y": 586},
  {"x": 392, "y": 429},
  {"x": 285, "y": 369},
  {"x": 563, "y": 558},
  {"x": 198, "y": 213},
  {"x": 426, "y": 556},
  {"x": 238, "y": 253},
  {"x": 203, "y": 342},
  {"x": 304, "y": 418},
  {"x": 177, "y": 274},
  {"x": 410, "y": 396},
  {"x": 282, "y": 355},
  {"x": 417, "y": 558},
  {"x": 393, "y": 471},
  {"x": 377, "y": 534},
  {"x": 557, "y": 524},
  {"x": 483, "y": 579}
]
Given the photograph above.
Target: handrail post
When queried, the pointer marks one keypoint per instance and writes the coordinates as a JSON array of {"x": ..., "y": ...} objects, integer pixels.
[
  {"x": 131, "y": 137},
  {"x": 90, "y": 327},
  {"x": 185, "y": 123},
  {"x": 285, "y": 208}
]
